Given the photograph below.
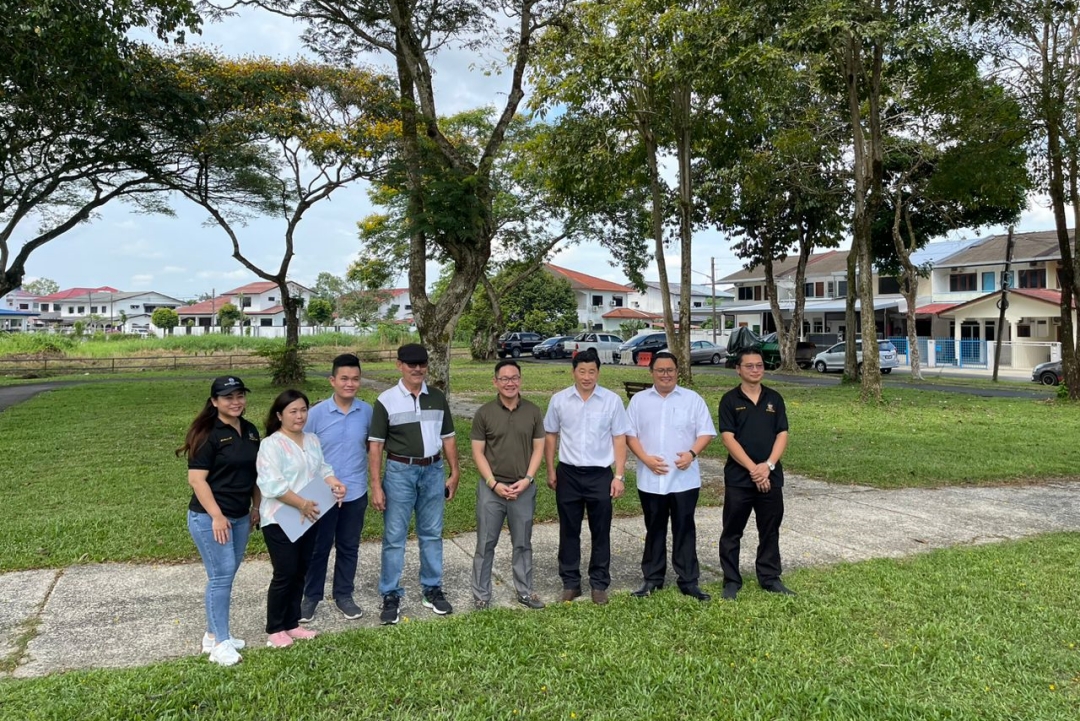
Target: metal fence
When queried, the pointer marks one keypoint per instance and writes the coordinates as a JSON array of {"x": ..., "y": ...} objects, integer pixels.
[
  {"x": 977, "y": 353},
  {"x": 34, "y": 367}
]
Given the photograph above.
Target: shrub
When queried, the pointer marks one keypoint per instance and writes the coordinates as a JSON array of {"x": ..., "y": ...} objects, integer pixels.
[{"x": 288, "y": 366}]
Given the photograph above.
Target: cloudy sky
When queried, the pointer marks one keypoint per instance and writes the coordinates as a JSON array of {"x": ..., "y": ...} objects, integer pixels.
[{"x": 182, "y": 256}]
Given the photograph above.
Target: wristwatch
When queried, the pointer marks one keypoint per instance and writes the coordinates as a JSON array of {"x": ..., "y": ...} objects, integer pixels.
[
  {"x": 618, "y": 478},
  {"x": 692, "y": 454},
  {"x": 530, "y": 479},
  {"x": 772, "y": 466}
]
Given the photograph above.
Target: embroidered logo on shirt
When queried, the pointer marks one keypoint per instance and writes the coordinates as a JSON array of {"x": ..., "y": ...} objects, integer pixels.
[
  {"x": 252, "y": 437},
  {"x": 740, "y": 408},
  {"x": 769, "y": 408},
  {"x": 227, "y": 439}
]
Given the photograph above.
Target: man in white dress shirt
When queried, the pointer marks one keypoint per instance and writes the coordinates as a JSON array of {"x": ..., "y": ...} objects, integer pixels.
[
  {"x": 669, "y": 427},
  {"x": 589, "y": 425}
]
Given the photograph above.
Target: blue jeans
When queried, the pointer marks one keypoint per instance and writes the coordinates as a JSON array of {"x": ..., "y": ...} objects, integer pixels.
[
  {"x": 338, "y": 528},
  {"x": 410, "y": 488},
  {"x": 221, "y": 561}
]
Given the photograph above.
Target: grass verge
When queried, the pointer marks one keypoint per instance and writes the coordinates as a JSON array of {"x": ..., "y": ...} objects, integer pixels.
[{"x": 987, "y": 632}]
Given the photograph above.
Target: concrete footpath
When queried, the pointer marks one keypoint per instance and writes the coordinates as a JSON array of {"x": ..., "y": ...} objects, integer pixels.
[{"x": 122, "y": 615}]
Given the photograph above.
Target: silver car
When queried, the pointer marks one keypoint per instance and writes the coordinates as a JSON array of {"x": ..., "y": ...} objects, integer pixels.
[
  {"x": 832, "y": 359},
  {"x": 703, "y": 351}
]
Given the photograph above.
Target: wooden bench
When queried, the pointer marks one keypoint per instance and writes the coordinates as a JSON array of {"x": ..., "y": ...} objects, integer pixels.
[{"x": 633, "y": 387}]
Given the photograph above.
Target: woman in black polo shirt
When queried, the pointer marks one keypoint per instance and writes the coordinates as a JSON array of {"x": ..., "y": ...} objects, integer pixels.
[{"x": 221, "y": 447}]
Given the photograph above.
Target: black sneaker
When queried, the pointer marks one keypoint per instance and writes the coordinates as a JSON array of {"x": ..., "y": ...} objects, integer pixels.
[
  {"x": 348, "y": 608},
  {"x": 530, "y": 600},
  {"x": 307, "y": 610},
  {"x": 436, "y": 601},
  {"x": 391, "y": 602}
]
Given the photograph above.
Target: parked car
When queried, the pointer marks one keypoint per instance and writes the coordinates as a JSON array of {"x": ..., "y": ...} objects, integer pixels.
[
  {"x": 644, "y": 343},
  {"x": 832, "y": 359},
  {"x": 554, "y": 347},
  {"x": 516, "y": 343},
  {"x": 1049, "y": 373},
  {"x": 703, "y": 351},
  {"x": 595, "y": 339},
  {"x": 769, "y": 347}
]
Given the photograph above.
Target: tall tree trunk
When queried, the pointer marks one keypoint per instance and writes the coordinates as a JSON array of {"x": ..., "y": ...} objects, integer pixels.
[
  {"x": 680, "y": 343},
  {"x": 909, "y": 285}
]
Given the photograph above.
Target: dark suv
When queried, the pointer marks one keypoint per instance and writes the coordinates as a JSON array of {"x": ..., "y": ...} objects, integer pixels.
[
  {"x": 516, "y": 343},
  {"x": 645, "y": 343}
]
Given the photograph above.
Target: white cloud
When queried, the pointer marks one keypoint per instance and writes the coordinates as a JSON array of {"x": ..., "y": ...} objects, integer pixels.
[
  {"x": 141, "y": 249},
  {"x": 238, "y": 274},
  {"x": 173, "y": 269},
  {"x": 142, "y": 280}
]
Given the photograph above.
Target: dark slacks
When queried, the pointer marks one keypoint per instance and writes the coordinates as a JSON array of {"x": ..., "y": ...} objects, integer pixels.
[
  {"x": 290, "y": 561},
  {"x": 679, "y": 507},
  {"x": 768, "y": 511},
  {"x": 581, "y": 489},
  {"x": 339, "y": 528}
]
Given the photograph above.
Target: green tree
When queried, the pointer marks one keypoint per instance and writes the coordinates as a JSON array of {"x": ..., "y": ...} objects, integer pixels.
[
  {"x": 320, "y": 312},
  {"x": 450, "y": 196},
  {"x": 229, "y": 315},
  {"x": 275, "y": 138},
  {"x": 1033, "y": 44},
  {"x": 539, "y": 303},
  {"x": 41, "y": 286},
  {"x": 80, "y": 116},
  {"x": 165, "y": 318}
]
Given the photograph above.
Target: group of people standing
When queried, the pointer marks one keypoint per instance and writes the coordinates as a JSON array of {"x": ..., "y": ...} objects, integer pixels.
[{"x": 240, "y": 482}]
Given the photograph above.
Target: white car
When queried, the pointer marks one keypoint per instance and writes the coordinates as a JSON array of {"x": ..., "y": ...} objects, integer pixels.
[
  {"x": 594, "y": 339},
  {"x": 832, "y": 359}
]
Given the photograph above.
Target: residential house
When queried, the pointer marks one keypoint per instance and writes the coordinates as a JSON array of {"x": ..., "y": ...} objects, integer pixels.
[
  {"x": 260, "y": 302},
  {"x": 966, "y": 289},
  {"x": 103, "y": 307},
  {"x": 601, "y": 304},
  {"x": 651, "y": 301},
  {"x": 20, "y": 300},
  {"x": 400, "y": 301}
]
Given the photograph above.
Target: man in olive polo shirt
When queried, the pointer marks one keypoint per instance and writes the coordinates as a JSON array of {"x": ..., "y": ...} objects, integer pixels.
[
  {"x": 754, "y": 429},
  {"x": 412, "y": 422},
  {"x": 507, "y": 446}
]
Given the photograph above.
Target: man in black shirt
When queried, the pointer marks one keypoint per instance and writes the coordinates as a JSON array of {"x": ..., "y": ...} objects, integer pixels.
[{"x": 754, "y": 429}]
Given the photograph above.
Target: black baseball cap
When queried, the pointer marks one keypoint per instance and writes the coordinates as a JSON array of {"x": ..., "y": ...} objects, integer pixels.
[
  {"x": 225, "y": 385},
  {"x": 412, "y": 353}
]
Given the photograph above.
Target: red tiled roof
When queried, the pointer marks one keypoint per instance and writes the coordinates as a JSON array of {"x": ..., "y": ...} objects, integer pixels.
[
  {"x": 266, "y": 311},
  {"x": 73, "y": 292},
  {"x": 206, "y": 307},
  {"x": 1045, "y": 295},
  {"x": 252, "y": 288},
  {"x": 583, "y": 281},
  {"x": 933, "y": 308},
  {"x": 395, "y": 292},
  {"x": 632, "y": 314}
]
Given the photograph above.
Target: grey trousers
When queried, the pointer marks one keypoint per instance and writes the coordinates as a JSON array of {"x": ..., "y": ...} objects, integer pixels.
[{"x": 491, "y": 510}]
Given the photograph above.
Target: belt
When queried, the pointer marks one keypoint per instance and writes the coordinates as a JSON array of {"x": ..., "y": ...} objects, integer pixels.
[{"x": 413, "y": 461}]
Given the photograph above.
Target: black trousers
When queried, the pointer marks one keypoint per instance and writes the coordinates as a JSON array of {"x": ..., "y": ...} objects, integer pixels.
[
  {"x": 768, "y": 511},
  {"x": 579, "y": 489},
  {"x": 290, "y": 561},
  {"x": 679, "y": 507}
]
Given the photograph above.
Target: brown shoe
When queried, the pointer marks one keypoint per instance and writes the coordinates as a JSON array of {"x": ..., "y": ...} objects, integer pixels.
[
  {"x": 569, "y": 594},
  {"x": 599, "y": 596}
]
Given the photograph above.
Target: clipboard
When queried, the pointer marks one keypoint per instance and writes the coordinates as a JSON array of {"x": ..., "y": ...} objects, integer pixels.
[{"x": 292, "y": 523}]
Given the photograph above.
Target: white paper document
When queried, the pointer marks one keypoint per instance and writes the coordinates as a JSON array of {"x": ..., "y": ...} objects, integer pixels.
[{"x": 289, "y": 518}]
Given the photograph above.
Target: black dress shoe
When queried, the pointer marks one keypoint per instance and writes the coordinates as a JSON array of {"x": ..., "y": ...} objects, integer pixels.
[
  {"x": 647, "y": 590},
  {"x": 778, "y": 587},
  {"x": 731, "y": 590},
  {"x": 695, "y": 592}
]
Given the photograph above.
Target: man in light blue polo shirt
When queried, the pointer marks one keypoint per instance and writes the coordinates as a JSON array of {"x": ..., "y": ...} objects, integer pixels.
[{"x": 341, "y": 422}]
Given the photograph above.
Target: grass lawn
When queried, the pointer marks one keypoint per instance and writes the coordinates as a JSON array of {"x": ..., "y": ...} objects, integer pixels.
[
  {"x": 92, "y": 472},
  {"x": 987, "y": 632}
]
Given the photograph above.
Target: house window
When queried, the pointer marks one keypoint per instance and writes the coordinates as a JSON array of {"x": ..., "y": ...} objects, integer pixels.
[
  {"x": 888, "y": 285},
  {"x": 24, "y": 306},
  {"x": 134, "y": 306},
  {"x": 246, "y": 302},
  {"x": 597, "y": 300},
  {"x": 265, "y": 322},
  {"x": 808, "y": 290},
  {"x": 1032, "y": 278},
  {"x": 832, "y": 289},
  {"x": 93, "y": 309},
  {"x": 82, "y": 309},
  {"x": 746, "y": 292},
  {"x": 1023, "y": 331},
  {"x": 271, "y": 298},
  {"x": 841, "y": 289},
  {"x": 408, "y": 307},
  {"x": 988, "y": 282},
  {"x": 962, "y": 282},
  {"x": 616, "y": 302},
  {"x": 698, "y": 304},
  {"x": 819, "y": 326}
]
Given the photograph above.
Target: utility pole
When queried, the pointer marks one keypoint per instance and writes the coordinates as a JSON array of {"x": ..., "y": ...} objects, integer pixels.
[
  {"x": 1003, "y": 302},
  {"x": 712, "y": 277}
]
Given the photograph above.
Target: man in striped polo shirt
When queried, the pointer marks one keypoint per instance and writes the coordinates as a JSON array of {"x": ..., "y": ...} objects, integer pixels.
[{"x": 412, "y": 422}]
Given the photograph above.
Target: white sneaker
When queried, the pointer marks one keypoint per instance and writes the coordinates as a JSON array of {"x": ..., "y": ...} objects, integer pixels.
[
  {"x": 224, "y": 655},
  {"x": 209, "y": 643}
]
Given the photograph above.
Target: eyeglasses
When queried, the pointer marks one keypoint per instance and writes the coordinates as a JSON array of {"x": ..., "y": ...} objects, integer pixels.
[
  {"x": 508, "y": 379},
  {"x": 754, "y": 366},
  {"x": 416, "y": 365},
  {"x": 665, "y": 371}
]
